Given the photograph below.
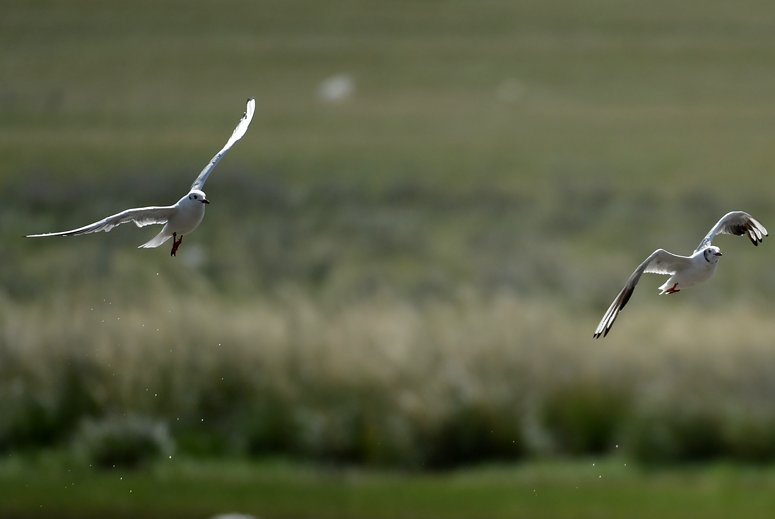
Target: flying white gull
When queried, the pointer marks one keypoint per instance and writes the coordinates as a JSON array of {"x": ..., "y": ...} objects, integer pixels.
[
  {"x": 684, "y": 271},
  {"x": 179, "y": 219}
]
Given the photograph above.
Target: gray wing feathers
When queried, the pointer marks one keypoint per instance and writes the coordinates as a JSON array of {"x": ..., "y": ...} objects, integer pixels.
[
  {"x": 659, "y": 262},
  {"x": 239, "y": 131},
  {"x": 141, "y": 217},
  {"x": 663, "y": 262},
  {"x": 738, "y": 223}
]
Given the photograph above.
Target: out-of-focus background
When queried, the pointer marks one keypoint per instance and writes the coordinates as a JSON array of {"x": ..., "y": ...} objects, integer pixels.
[{"x": 402, "y": 265}]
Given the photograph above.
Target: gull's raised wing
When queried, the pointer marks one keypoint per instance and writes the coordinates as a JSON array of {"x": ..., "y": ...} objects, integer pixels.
[
  {"x": 659, "y": 262},
  {"x": 239, "y": 131},
  {"x": 737, "y": 223},
  {"x": 141, "y": 216}
]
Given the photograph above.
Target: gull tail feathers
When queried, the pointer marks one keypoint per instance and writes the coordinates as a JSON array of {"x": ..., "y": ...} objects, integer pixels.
[{"x": 156, "y": 240}]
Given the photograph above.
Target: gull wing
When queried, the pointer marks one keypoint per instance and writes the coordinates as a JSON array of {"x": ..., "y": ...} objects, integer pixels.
[
  {"x": 141, "y": 216},
  {"x": 738, "y": 223},
  {"x": 239, "y": 131},
  {"x": 659, "y": 262}
]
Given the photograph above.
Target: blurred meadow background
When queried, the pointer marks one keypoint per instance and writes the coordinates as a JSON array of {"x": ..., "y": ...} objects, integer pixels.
[{"x": 388, "y": 309}]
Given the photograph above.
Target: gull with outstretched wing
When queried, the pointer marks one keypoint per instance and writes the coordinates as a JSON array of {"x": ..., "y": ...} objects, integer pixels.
[
  {"x": 684, "y": 271},
  {"x": 178, "y": 219}
]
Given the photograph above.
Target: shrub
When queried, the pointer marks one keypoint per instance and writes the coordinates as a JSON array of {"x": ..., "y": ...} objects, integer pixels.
[
  {"x": 751, "y": 437},
  {"x": 270, "y": 429},
  {"x": 353, "y": 424},
  {"x": 473, "y": 432},
  {"x": 26, "y": 421},
  {"x": 663, "y": 435},
  {"x": 675, "y": 433},
  {"x": 583, "y": 418},
  {"x": 36, "y": 413},
  {"x": 127, "y": 441}
]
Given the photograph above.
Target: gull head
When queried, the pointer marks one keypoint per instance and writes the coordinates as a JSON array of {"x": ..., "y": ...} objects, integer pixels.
[
  {"x": 195, "y": 196},
  {"x": 712, "y": 254}
]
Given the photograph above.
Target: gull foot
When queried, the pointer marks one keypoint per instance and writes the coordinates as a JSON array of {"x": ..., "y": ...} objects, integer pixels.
[
  {"x": 175, "y": 243},
  {"x": 673, "y": 289}
]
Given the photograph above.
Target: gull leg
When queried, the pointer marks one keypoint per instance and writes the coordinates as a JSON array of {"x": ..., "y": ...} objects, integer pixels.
[
  {"x": 175, "y": 243},
  {"x": 673, "y": 289}
]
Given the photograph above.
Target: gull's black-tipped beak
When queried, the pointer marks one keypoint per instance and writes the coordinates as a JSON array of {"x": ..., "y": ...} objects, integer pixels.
[
  {"x": 717, "y": 253},
  {"x": 205, "y": 201}
]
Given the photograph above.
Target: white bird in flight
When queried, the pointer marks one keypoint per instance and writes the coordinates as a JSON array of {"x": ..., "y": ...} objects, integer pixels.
[
  {"x": 179, "y": 219},
  {"x": 684, "y": 271}
]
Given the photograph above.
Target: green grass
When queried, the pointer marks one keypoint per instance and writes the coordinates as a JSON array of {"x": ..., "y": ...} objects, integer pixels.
[{"x": 191, "y": 489}]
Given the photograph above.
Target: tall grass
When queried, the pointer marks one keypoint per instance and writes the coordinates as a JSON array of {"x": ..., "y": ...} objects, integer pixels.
[{"x": 389, "y": 382}]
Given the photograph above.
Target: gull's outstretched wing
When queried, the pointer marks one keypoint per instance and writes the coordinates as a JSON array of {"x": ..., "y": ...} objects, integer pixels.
[
  {"x": 737, "y": 223},
  {"x": 141, "y": 216},
  {"x": 239, "y": 131},
  {"x": 659, "y": 262}
]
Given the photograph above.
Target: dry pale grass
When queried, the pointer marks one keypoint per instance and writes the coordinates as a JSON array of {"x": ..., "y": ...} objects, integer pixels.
[{"x": 405, "y": 366}]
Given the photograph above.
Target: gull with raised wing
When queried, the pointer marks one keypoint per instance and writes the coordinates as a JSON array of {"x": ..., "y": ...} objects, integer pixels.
[
  {"x": 179, "y": 219},
  {"x": 684, "y": 271}
]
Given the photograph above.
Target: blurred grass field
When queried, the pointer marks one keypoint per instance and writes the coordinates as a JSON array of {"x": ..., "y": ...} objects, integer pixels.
[
  {"x": 406, "y": 277},
  {"x": 580, "y": 489}
]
